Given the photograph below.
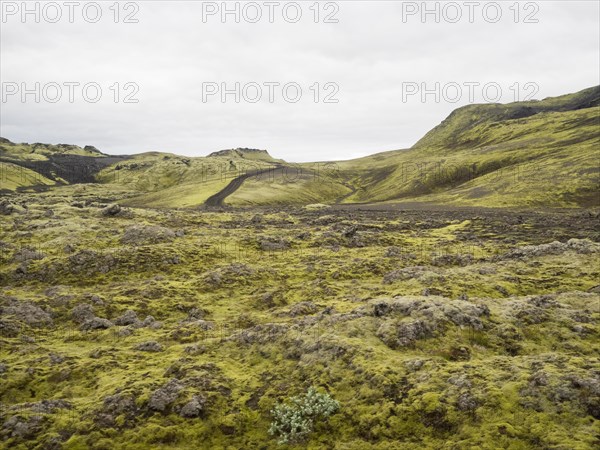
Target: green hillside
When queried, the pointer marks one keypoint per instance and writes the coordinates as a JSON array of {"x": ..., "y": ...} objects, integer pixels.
[
  {"x": 523, "y": 154},
  {"x": 461, "y": 128},
  {"x": 13, "y": 177},
  {"x": 167, "y": 180},
  {"x": 47, "y": 164}
]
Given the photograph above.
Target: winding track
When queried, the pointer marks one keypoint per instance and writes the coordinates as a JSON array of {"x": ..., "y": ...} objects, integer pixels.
[{"x": 217, "y": 199}]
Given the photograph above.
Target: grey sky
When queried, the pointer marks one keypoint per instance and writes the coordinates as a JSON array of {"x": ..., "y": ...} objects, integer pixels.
[{"x": 369, "y": 54}]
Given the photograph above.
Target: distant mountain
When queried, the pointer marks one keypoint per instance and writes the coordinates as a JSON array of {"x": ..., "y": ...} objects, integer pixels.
[{"x": 524, "y": 154}]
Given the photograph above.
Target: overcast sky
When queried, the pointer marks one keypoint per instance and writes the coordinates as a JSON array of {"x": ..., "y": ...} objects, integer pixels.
[{"x": 374, "y": 53}]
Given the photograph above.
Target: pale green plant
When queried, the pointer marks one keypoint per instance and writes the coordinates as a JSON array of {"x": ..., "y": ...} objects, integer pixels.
[{"x": 294, "y": 421}]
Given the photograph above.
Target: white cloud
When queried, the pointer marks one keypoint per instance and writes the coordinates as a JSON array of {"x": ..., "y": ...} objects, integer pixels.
[{"x": 369, "y": 54}]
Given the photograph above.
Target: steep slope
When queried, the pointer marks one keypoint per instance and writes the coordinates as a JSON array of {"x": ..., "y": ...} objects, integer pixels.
[
  {"x": 458, "y": 130},
  {"x": 549, "y": 158},
  {"x": 14, "y": 177},
  {"x": 541, "y": 153}
]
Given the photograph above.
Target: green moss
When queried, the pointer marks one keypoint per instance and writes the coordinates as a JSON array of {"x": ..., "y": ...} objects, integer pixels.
[{"x": 405, "y": 397}]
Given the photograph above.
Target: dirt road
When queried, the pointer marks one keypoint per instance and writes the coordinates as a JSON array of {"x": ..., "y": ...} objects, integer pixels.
[{"x": 218, "y": 198}]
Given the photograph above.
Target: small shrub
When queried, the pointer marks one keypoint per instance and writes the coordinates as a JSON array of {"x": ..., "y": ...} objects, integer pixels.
[{"x": 294, "y": 421}]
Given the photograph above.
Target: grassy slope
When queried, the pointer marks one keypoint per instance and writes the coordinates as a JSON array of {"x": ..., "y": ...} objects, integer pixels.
[
  {"x": 13, "y": 177},
  {"x": 149, "y": 179},
  {"x": 301, "y": 185},
  {"x": 451, "y": 133},
  {"x": 547, "y": 159},
  {"x": 484, "y": 155},
  {"x": 165, "y": 180},
  {"x": 525, "y": 154}
]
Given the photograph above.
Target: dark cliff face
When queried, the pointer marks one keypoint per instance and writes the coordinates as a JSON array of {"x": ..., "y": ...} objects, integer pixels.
[
  {"x": 71, "y": 168},
  {"x": 59, "y": 162}
]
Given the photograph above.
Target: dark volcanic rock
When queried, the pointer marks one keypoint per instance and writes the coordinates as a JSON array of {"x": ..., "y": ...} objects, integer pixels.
[
  {"x": 150, "y": 346},
  {"x": 96, "y": 323},
  {"x": 164, "y": 396},
  {"x": 194, "y": 408},
  {"x": 111, "y": 210}
]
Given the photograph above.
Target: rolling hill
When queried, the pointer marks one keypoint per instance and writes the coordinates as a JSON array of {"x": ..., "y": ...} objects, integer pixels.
[
  {"x": 523, "y": 154},
  {"x": 542, "y": 153}
]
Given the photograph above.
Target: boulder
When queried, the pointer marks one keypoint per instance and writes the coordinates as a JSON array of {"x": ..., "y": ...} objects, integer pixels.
[{"x": 96, "y": 323}]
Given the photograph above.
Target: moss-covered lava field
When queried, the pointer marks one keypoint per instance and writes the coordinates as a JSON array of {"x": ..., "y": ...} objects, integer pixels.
[{"x": 138, "y": 328}]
